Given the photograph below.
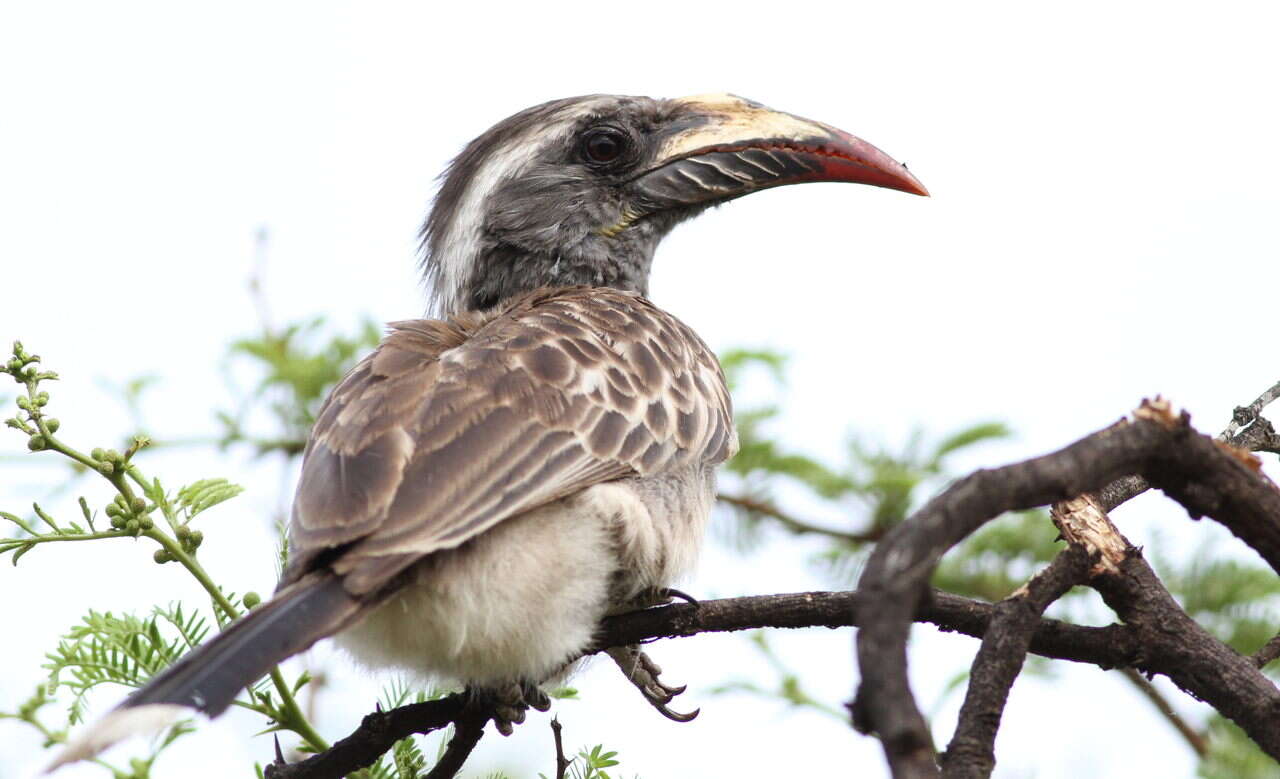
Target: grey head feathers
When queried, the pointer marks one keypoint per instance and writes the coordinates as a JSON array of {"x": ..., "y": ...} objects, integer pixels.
[{"x": 521, "y": 208}]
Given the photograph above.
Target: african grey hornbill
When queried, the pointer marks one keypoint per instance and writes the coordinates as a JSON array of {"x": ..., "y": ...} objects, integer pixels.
[{"x": 484, "y": 487}]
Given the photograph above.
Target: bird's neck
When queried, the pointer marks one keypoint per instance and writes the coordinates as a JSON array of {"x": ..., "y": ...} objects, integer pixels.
[{"x": 504, "y": 271}]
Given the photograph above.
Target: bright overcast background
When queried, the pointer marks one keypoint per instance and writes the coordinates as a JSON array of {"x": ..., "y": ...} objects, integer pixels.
[{"x": 1103, "y": 227}]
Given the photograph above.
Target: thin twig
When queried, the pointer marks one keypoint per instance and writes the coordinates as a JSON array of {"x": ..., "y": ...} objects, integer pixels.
[
  {"x": 1194, "y": 738},
  {"x": 1269, "y": 652},
  {"x": 797, "y": 526},
  {"x": 562, "y": 762},
  {"x": 1244, "y": 416}
]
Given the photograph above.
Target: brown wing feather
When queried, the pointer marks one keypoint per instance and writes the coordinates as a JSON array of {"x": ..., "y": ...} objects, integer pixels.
[{"x": 451, "y": 427}]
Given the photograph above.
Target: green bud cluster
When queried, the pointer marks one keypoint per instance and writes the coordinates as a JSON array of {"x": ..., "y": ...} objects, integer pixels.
[
  {"x": 190, "y": 539},
  {"x": 130, "y": 516},
  {"x": 107, "y": 461},
  {"x": 22, "y": 365}
]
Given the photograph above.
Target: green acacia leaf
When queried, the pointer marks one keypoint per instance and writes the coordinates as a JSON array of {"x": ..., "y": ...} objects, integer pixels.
[
  {"x": 203, "y": 495},
  {"x": 21, "y": 551},
  {"x": 987, "y": 431}
]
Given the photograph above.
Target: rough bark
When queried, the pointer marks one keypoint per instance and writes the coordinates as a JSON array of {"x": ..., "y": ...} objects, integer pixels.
[{"x": 1207, "y": 477}]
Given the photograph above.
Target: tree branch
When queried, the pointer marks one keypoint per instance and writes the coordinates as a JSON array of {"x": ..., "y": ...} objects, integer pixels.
[
  {"x": 1269, "y": 652},
  {"x": 376, "y": 734},
  {"x": 1153, "y": 613},
  {"x": 797, "y": 526},
  {"x": 971, "y": 753},
  {"x": 1193, "y": 737},
  {"x": 1244, "y": 416},
  {"x": 562, "y": 762},
  {"x": 1200, "y": 473},
  {"x": 466, "y": 734},
  {"x": 1247, "y": 430},
  {"x": 1107, "y": 647}
]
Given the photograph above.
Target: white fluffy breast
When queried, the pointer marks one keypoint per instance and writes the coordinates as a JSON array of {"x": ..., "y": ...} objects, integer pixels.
[{"x": 527, "y": 595}]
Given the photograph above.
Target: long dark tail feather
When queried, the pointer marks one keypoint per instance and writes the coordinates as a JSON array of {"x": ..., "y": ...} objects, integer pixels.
[{"x": 209, "y": 677}]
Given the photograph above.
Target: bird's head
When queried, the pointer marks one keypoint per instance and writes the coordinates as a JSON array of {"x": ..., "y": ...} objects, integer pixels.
[{"x": 581, "y": 190}]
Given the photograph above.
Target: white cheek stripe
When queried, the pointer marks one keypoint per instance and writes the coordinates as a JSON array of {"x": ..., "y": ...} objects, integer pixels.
[{"x": 461, "y": 239}]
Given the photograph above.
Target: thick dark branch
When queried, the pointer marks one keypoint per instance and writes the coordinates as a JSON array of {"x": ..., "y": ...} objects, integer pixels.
[
  {"x": 1200, "y": 473},
  {"x": 1165, "y": 630},
  {"x": 971, "y": 753},
  {"x": 1112, "y": 646},
  {"x": 1084, "y": 523},
  {"x": 1176, "y": 645},
  {"x": 376, "y": 734},
  {"x": 466, "y": 734},
  {"x": 1248, "y": 430},
  {"x": 1107, "y": 647},
  {"x": 1212, "y": 479}
]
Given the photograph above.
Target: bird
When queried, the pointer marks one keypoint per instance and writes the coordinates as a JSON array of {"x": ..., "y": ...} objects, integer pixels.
[{"x": 488, "y": 484}]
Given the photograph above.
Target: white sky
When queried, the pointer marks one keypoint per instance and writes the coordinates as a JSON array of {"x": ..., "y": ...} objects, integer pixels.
[{"x": 1102, "y": 228}]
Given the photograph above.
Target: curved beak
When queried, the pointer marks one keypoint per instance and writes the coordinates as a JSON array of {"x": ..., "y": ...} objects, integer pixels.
[{"x": 719, "y": 147}]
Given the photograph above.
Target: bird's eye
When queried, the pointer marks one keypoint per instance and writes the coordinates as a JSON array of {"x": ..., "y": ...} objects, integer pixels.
[{"x": 602, "y": 145}]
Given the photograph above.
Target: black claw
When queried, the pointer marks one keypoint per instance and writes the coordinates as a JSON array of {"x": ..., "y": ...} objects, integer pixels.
[
  {"x": 673, "y": 691},
  {"x": 641, "y": 671},
  {"x": 671, "y": 592},
  {"x": 676, "y": 716},
  {"x": 279, "y": 752}
]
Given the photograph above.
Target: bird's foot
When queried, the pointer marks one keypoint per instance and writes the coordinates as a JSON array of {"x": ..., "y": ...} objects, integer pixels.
[
  {"x": 641, "y": 671},
  {"x": 509, "y": 702}
]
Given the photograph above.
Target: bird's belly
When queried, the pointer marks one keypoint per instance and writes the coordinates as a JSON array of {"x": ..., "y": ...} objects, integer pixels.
[{"x": 523, "y": 598}]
